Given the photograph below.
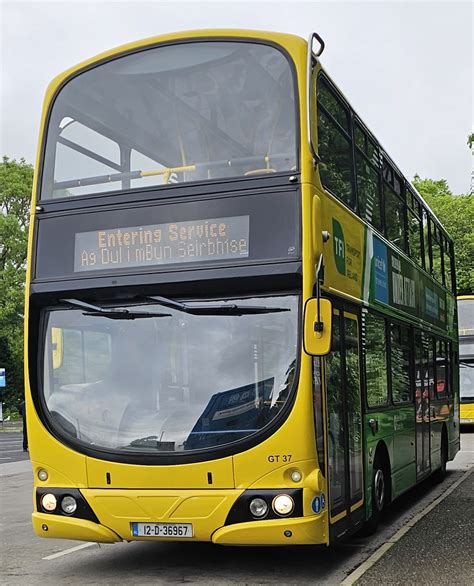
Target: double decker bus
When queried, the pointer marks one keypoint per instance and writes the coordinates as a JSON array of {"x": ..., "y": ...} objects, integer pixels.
[
  {"x": 466, "y": 358},
  {"x": 240, "y": 321}
]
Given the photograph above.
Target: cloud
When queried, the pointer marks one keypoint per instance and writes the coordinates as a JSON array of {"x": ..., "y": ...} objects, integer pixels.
[{"x": 406, "y": 67}]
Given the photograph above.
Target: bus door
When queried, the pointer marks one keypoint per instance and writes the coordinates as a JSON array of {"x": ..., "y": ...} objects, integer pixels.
[
  {"x": 423, "y": 383},
  {"x": 344, "y": 424}
]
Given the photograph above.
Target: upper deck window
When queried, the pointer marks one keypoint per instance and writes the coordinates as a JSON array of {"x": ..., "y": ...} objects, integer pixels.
[{"x": 172, "y": 114}]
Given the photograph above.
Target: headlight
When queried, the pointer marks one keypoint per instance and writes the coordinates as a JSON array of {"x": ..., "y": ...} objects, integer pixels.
[
  {"x": 69, "y": 505},
  {"x": 283, "y": 505},
  {"x": 258, "y": 507},
  {"x": 49, "y": 502}
]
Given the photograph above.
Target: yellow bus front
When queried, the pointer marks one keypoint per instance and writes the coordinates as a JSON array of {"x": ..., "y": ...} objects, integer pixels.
[
  {"x": 466, "y": 359},
  {"x": 168, "y": 393}
]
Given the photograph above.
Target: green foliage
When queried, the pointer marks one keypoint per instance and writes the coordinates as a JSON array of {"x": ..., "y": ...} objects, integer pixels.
[
  {"x": 456, "y": 213},
  {"x": 16, "y": 179}
]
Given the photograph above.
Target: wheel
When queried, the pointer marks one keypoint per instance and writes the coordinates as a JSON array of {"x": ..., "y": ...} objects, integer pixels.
[
  {"x": 379, "y": 495},
  {"x": 440, "y": 474}
]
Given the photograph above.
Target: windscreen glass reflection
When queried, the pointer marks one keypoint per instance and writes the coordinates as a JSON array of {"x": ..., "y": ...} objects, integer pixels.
[
  {"x": 172, "y": 114},
  {"x": 169, "y": 384}
]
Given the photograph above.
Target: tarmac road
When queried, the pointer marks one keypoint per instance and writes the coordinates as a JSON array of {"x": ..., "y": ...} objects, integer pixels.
[
  {"x": 433, "y": 551},
  {"x": 11, "y": 445}
]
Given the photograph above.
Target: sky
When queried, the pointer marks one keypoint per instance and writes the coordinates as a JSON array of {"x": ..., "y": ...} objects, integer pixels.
[{"x": 406, "y": 67}]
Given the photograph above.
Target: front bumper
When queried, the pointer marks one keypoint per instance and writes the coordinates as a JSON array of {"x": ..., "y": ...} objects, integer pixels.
[
  {"x": 45, "y": 525},
  {"x": 207, "y": 510}
]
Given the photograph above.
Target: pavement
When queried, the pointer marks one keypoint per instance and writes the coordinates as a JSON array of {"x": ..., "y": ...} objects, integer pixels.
[
  {"x": 433, "y": 523},
  {"x": 438, "y": 549}
]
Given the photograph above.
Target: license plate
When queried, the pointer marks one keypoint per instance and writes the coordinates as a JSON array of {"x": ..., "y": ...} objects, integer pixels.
[{"x": 173, "y": 530}]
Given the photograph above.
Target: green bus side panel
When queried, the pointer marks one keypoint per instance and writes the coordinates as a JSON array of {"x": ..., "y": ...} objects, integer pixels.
[
  {"x": 394, "y": 283},
  {"x": 396, "y": 429}
]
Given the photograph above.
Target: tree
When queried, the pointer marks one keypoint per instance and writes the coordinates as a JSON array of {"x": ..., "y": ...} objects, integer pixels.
[
  {"x": 16, "y": 179},
  {"x": 456, "y": 213}
]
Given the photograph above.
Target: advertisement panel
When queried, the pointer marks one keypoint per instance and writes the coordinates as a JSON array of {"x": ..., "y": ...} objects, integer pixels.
[{"x": 397, "y": 283}]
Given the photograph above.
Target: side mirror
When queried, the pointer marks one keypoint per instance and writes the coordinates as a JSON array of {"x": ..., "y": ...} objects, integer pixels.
[
  {"x": 317, "y": 327},
  {"x": 57, "y": 346}
]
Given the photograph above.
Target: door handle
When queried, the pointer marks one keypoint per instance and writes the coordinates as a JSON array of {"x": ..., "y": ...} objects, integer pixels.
[{"x": 374, "y": 425}]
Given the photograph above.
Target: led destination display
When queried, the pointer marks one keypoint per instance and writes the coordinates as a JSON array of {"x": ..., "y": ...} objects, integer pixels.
[{"x": 159, "y": 244}]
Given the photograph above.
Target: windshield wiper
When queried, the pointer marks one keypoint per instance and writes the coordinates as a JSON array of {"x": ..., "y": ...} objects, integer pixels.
[
  {"x": 96, "y": 311},
  {"x": 467, "y": 364},
  {"x": 217, "y": 309}
]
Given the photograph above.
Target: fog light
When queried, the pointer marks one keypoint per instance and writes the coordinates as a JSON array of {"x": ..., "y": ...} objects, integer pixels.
[
  {"x": 258, "y": 507},
  {"x": 283, "y": 504},
  {"x": 296, "y": 475},
  {"x": 42, "y": 474},
  {"x": 49, "y": 502},
  {"x": 69, "y": 505}
]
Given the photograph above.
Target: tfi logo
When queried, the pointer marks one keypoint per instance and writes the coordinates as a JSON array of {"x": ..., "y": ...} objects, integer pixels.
[{"x": 339, "y": 246}]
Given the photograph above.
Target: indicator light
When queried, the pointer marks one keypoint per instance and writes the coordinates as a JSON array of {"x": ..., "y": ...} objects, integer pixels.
[
  {"x": 296, "y": 475},
  {"x": 42, "y": 474}
]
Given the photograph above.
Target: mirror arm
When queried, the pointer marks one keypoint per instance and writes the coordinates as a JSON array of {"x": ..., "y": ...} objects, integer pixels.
[
  {"x": 312, "y": 59},
  {"x": 318, "y": 324}
]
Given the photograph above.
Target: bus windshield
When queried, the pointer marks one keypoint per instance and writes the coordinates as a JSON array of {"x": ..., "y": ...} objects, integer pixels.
[
  {"x": 466, "y": 380},
  {"x": 164, "y": 379},
  {"x": 184, "y": 112},
  {"x": 466, "y": 316}
]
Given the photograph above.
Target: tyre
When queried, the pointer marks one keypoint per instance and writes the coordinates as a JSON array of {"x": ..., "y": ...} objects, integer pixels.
[
  {"x": 379, "y": 494},
  {"x": 440, "y": 474}
]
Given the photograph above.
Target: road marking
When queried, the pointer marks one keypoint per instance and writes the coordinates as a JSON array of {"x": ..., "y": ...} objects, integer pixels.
[
  {"x": 382, "y": 550},
  {"x": 6, "y": 458},
  {"x": 68, "y": 551}
]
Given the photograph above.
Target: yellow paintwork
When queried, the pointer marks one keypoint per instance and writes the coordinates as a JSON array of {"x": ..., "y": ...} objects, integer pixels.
[
  {"x": 65, "y": 467},
  {"x": 350, "y": 284},
  {"x": 466, "y": 410},
  {"x": 205, "y": 509},
  {"x": 69, "y": 528},
  {"x": 318, "y": 343},
  {"x": 304, "y": 530},
  {"x": 185, "y": 476},
  {"x": 167, "y": 491},
  {"x": 466, "y": 414},
  {"x": 338, "y": 517},
  {"x": 357, "y": 505}
]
